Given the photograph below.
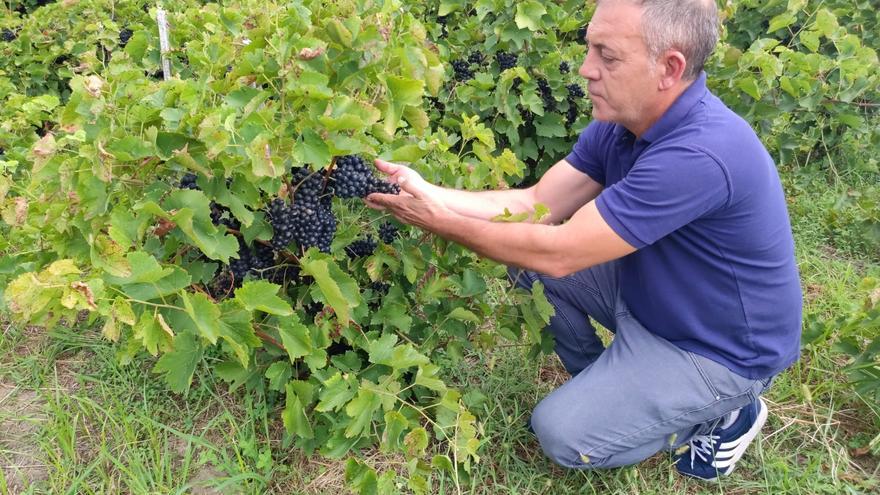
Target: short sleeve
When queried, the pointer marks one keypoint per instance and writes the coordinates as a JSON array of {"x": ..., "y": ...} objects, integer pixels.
[
  {"x": 664, "y": 191},
  {"x": 588, "y": 153}
]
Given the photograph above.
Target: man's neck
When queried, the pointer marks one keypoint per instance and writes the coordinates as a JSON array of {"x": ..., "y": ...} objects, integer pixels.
[{"x": 663, "y": 102}]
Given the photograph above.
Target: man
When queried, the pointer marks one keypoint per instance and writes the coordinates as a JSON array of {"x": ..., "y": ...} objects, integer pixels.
[{"x": 668, "y": 226}]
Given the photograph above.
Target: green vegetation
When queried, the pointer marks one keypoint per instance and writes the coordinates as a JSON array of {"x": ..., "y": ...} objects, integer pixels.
[{"x": 158, "y": 336}]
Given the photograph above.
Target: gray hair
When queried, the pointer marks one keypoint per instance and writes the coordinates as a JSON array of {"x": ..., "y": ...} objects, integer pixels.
[{"x": 689, "y": 26}]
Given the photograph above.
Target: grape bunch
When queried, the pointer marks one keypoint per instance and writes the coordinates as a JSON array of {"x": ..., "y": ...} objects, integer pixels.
[
  {"x": 546, "y": 94},
  {"x": 189, "y": 181},
  {"x": 582, "y": 35},
  {"x": 506, "y": 60},
  {"x": 564, "y": 68},
  {"x": 307, "y": 189},
  {"x": 351, "y": 177},
  {"x": 361, "y": 247},
  {"x": 283, "y": 218},
  {"x": 444, "y": 29},
  {"x": 380, "y": 186},
  {"x": 315, "y": 229},
  {"x": 462, "y": 71},
  {"x": 8, "y": 35},
  {"x": 477, "y": 58},
  {"x": 220, "y": 215},
  {"x": 437, "y": 104},
  {"x": 239, "y": 268},
  {"x": 124, "y": 36},
  {"x": 575, "y": 92},
  {"x": 388, "y": 232}
]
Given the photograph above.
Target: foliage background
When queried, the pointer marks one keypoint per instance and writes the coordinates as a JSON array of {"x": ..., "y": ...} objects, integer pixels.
[{"x": 94, "y": 144}]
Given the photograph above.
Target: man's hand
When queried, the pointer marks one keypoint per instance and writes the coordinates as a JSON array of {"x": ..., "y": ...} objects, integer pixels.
[{"x": 415, "y": 205}]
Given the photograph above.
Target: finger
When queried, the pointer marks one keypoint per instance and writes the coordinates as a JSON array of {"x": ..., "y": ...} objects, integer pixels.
[
  {"x": 409, "y": 188},
  {"x": 387, "y": 167},
  {"x": 379, "y": 201}
]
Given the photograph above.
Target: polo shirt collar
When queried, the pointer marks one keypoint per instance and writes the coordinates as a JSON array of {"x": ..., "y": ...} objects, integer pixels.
[{"x": 680, "y": 107}]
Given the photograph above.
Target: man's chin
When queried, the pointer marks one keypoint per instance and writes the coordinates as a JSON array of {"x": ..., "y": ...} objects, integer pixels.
[{"x": 598, "y": 115}]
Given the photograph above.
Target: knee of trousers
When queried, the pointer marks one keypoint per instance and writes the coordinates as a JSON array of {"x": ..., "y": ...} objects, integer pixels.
[{"x": 560, "y": 437}]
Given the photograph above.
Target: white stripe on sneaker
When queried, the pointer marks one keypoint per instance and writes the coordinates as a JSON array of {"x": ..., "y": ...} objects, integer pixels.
[{"x": 742, "y": 443}]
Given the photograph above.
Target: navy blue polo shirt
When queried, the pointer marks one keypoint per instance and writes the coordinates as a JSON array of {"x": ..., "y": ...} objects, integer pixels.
[{"x": 700, "y": 199}]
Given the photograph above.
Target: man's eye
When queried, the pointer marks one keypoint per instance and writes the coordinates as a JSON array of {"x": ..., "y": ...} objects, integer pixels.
[{"x": 608, "y": 59}]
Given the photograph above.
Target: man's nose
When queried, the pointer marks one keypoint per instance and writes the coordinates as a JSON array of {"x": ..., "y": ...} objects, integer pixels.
[{"x": 588, "y": 69}]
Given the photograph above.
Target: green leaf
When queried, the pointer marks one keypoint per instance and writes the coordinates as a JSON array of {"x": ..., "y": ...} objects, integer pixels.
[
  {"x": 462, "y": 314},
  {"x": 278, "y": 373},
  {"x": 528, "y": 15},
  {"x": 310, "y": 148},
  {"x": 193, "y": 219},
  {"x": 337, "y": 32},
  {"x": 335, "y": 287},
  {"x": 408, "y": 153},
  {"x": 550, "y": 125},
  {"x": 361, "y": 410},
  {"x": 361, "y": 478},
  {"x": 380, "y": 349},
  {"x": 337, "y": 391},
  {"x": 427, "y": 377},
  {"x": 204, "y": 314},
  {"x": 749, "y": 85},
  {"x": 471, "y": 128},
  {"x": 151, "y": 334},
  {"x": 240, "y": 97},
  {"x": 782, "y": 20},
  {"x": 179, "y": 364},
  {"x": 449, "y": 6},
  {"x": 545, "y": 309},
  {"x": 237, "y": 331},
  {"x": 296, "y": 337},
  {"x": 402, "y": 92},
  {"x": 130, "y": 148},
  {"x": 395, "y": 424},
  {"x": 294, "y": 416},
  {"x": 260, "y": 295}
]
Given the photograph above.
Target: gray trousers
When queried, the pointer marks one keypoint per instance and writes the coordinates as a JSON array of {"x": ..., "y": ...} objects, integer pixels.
[{"x": 639, "y": 396}]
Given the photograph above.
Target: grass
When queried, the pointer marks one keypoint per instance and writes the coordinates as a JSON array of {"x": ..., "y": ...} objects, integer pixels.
[{"x": 73, "y": 421}]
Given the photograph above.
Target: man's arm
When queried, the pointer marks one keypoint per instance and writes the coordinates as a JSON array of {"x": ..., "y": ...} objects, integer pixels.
[
  {"x": 563, "y": 189},
  {"x": 557, "y": 250}
]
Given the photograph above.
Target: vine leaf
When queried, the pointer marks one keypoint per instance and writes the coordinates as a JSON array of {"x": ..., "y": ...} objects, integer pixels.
[
  {"x": 361, "y": 410},
  {"x": 383, "y": 351},
  {"x": 295, "y": 337},
  {"x": 229, "y": 321},
  {"x": 334, "y": 286},
  {"x": 260, "y": 295},
  {"x": 336, "y": 393},
  {"x": 528, "y": 15},
  {"x": 179, "y": 364},
  {"x": 402, "y": 92},
  {"x": 151, "y": 334},
  {"x": 294, "y": 415}
]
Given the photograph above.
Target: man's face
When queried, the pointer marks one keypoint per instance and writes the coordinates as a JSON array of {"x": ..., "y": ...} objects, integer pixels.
[{"x": 620, "y": 76}]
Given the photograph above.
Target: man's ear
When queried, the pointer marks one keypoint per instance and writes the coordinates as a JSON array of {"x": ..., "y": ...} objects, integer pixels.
[{"x": 672, "y": 65}]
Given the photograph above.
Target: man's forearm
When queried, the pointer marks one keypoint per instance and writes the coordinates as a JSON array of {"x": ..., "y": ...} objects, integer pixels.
[
  {"x": 484, "y": 204},
  {"x": 524, "y": 245}
]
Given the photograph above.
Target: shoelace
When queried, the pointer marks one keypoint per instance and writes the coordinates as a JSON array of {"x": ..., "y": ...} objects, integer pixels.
[{"x": 703, "y": 446}]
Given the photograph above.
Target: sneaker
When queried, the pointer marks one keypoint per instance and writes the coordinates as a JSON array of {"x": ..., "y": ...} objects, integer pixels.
[{"x": 716, "y": 453}]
